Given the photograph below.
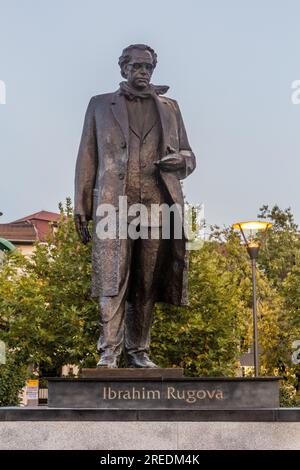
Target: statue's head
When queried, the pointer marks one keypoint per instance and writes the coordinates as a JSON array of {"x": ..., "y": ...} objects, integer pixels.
[{"x": 137, "y": 63}]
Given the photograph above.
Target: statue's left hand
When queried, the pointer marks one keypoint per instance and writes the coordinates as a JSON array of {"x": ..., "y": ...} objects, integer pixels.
[
  {"x": 171, "y": 162},
  {"x": 82, "y": 229}
]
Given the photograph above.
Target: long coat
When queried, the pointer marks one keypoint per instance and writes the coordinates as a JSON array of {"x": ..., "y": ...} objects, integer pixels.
[{"x": 101, "y": 172}]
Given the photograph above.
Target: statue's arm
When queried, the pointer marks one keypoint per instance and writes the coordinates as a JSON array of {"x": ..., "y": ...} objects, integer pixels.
[
  {"x": 85, "y": 174},
  {"x": 184, "y": 149}
]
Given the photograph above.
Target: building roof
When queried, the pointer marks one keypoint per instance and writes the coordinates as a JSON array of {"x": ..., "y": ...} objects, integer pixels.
[
  {"x": 33, "y": 227},
  {"x": 41, "y": 215},
  {"x": 23, "y": 232}
]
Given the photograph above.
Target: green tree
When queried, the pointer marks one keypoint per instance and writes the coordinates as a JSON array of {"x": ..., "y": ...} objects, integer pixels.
[
  {"x": 280, "y": 260},
  {"x": 291, "y": 291},
  {"x": 13, "y": 375},
  {"x": 47, "y": 315},
  {"x": 278, "y": 255}
]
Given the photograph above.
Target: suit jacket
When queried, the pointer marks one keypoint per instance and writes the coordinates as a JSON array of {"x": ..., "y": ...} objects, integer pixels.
[{"x": 100, "y": 178}]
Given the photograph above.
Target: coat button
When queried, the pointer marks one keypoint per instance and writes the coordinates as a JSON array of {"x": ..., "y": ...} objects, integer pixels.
[
  {"x": 121, "y": 176},
  {"x": 123, "y": 145},
  {"x": 143, "y": 165}
]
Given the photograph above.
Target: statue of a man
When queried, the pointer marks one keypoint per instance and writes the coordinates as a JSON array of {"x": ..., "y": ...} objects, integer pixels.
[{"x": 133, "y": 145}]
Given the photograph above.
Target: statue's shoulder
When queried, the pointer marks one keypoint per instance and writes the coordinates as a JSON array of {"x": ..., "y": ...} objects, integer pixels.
[
  {"x": 102, "y": 99},
  {"x": 171, "y": 102},
  {"x": 168, "y": 99}
]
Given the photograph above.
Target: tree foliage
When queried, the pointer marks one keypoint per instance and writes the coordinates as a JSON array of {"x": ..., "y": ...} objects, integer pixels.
[
  {"x": 47, "y": 315},
  {"x": 12, "y": 379},
  {"x": 283, "y": 244}
]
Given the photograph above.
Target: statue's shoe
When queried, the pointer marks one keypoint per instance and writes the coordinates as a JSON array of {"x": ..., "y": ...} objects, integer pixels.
[
  {"x": 140, "y": 360},
  {"x": 108, "y": 361}
]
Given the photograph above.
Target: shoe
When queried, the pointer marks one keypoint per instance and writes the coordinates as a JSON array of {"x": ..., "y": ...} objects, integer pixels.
[
  {"x": 140, "y": 360},
  {"x": 108, "y": 361}
]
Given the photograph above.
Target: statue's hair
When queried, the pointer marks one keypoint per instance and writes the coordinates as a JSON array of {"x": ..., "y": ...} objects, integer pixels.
[{"x": 126, "y": 55}]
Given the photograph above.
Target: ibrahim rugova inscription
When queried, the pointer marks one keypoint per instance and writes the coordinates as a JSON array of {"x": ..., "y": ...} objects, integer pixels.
[
  {"x": 176, "y": 393},
  {"x": 171, "y": 393}
]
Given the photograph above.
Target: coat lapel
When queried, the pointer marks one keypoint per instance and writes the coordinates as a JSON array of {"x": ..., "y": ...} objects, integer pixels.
[{"x": 119, "y": 110}]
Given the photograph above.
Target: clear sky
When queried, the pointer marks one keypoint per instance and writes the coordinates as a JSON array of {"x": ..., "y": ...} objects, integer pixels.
[{"x": 229, "y": 63}]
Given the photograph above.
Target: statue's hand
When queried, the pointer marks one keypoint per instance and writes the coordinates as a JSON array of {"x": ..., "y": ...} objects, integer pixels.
[
  {"x": 82, "y": 229},
  {"x": 171, "y": 162}
]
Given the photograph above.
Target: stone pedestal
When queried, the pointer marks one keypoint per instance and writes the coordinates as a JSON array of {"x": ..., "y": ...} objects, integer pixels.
[
  {"x": 161, "y": 389},
  {"x": 153, "y": 409},
  {"x": 50, "y": 428},
  {"x": 159, "y": 411}
]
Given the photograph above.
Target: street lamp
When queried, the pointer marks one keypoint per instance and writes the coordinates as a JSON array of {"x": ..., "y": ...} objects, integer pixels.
[{"x": 253, "y": 242}]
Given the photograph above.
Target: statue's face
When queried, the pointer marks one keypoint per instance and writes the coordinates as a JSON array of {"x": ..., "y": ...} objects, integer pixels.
[{"x": 139, "y": 70}]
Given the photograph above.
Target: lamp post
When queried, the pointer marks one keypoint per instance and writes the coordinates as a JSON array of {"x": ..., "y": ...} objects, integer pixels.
[{"x": 249, "y": 231}]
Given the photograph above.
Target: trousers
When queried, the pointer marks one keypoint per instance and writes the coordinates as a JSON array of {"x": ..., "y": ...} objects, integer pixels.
[{"x": 126, "y": 319}]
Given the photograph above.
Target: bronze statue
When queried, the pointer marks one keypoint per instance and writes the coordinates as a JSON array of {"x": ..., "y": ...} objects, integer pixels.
[{"x": 133, "y": 144}]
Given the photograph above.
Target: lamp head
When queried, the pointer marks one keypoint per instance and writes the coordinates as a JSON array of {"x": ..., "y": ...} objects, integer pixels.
[{"x": 249, "y": 231}]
